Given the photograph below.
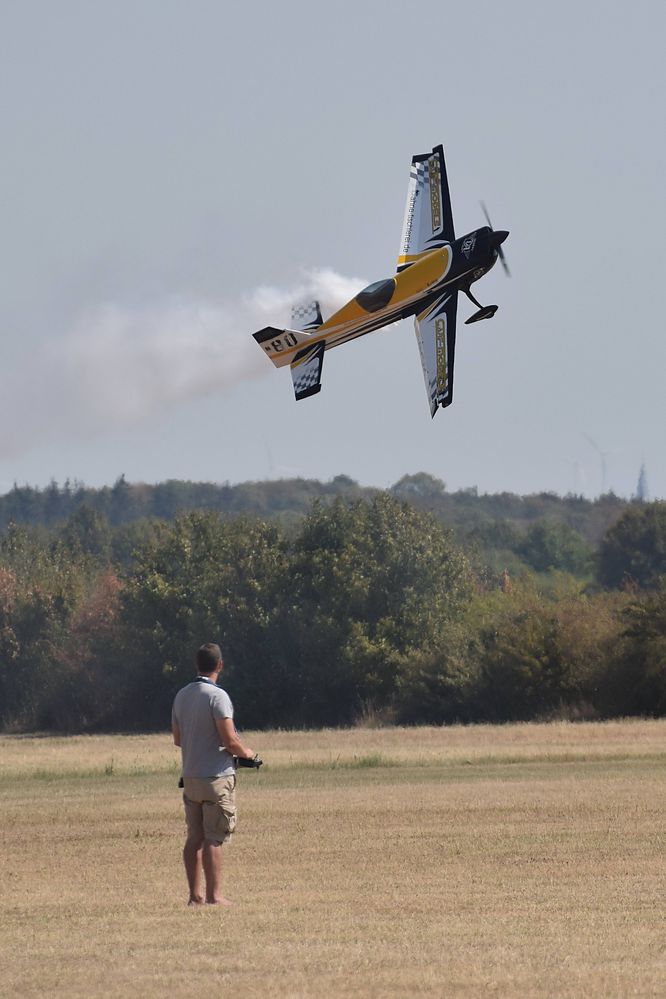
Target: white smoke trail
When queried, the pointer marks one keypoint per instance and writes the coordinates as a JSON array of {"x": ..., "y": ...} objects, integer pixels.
[{"x": 118, "y": 365}]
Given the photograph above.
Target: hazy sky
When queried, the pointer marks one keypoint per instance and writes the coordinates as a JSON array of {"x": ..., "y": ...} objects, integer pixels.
[{"x": 172, "y": 173}]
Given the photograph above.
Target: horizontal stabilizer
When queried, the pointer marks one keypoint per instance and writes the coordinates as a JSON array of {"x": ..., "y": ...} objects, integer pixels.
[{"x": 306, "y": 370}]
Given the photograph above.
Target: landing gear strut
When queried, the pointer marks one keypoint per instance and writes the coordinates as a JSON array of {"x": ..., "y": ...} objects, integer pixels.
[{"x": 485, "y": 311}]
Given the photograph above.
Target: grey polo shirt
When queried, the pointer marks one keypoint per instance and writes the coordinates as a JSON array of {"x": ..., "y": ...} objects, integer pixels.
[{"x": 195, "y": 710}]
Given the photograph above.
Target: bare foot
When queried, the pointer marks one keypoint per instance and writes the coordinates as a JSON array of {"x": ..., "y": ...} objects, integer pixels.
[
  {"x": 218, "y": 901},
  {"x": 196, "y": 901}
]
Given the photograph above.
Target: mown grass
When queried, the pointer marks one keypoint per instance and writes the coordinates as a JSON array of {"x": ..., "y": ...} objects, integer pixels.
[
  {"x": 125, "y": 755},
  {"x": 509, "y": 861}
]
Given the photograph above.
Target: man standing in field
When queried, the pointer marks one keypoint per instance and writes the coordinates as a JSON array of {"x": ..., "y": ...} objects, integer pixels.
[{"x": 203, "y": 727}]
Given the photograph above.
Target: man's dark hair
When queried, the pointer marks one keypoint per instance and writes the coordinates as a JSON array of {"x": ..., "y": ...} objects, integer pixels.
[{"x": 209, "y": 657}]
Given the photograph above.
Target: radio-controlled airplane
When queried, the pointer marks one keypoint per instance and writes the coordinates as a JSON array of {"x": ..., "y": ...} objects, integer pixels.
[{"x": 433, "y": 266}]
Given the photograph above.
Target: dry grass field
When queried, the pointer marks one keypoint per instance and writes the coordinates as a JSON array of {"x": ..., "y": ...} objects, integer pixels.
[{"x": 524, "y": 860}]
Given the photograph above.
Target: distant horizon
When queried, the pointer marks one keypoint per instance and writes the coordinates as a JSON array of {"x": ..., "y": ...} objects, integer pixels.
[{"x": 76, "y": 483}]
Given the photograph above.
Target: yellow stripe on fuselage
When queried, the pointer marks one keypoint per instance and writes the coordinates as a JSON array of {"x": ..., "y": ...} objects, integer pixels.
[{"x": 411, "y": 284}]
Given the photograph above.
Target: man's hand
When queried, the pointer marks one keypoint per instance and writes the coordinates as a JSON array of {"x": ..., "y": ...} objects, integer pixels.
[{"x": 254, "y": 762}]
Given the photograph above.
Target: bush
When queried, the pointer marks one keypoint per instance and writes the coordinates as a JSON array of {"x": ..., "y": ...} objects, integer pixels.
[{"x": 637, "y": 680}]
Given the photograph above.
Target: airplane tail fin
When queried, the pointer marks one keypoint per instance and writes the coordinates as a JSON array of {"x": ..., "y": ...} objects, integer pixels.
[
  {"x": 278, "y": 344},
  {"x": 294, "y": 347},
  {"x": 306, "y": 316}
]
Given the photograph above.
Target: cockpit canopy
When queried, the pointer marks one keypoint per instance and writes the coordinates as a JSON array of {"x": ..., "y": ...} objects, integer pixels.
[{"x": 377, "y": 295}]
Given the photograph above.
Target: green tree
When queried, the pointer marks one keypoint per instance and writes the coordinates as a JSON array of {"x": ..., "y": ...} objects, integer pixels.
[
  {"x": 551, "y": 545},
  {"x": 84, "y": 689},
  {"x": 522, "y": 671},
  {"x": 86, "y": 531},
  {"x": 373, "y": 588},
  {"x": 199, "y": 580},
  {"x": 42, "y": 587},
  {"x": 541, "y": 655},
  {"x": 421, "y": 486},
  {"x": 634, "y": 548}
]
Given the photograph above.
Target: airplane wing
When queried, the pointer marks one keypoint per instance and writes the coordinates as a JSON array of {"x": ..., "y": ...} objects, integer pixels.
[
  {"x": 436, "y": 334},
  {"x": 428, "y": 220}
]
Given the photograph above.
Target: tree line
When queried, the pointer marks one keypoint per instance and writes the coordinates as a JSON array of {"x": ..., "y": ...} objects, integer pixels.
[
  {"x": 288, "y": 500},
  {"x": 365, "y": 608}
]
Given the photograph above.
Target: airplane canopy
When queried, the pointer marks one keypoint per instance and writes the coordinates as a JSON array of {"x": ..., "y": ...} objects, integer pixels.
[{"x": 376, "y": 295}]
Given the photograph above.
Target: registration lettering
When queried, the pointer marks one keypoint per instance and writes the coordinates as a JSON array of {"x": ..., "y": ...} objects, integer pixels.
[
  {"x": 282, "y": 342},
  {"x": 441, "y": 356},
  {"x": 435, "y": 177}
]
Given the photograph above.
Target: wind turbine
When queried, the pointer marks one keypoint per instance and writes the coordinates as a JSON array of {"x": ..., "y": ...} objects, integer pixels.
[{"x": 603, "y": 455}]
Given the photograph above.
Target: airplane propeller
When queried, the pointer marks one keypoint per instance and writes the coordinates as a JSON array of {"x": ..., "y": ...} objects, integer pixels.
[{"x": 500, "y": 235}]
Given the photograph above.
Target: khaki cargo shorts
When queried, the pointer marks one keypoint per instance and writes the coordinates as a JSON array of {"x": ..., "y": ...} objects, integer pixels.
[{"x": 210, "y": 808}]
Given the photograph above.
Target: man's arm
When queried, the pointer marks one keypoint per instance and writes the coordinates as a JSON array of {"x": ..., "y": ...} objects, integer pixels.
[
  {"x": 176, "y": 733},
  {"x": 229, "y": 739}
]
